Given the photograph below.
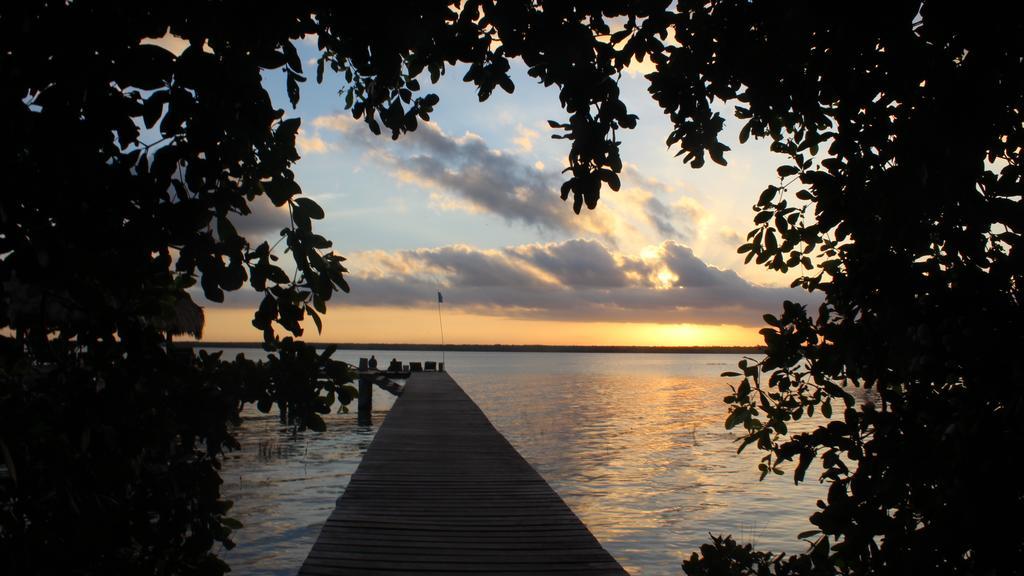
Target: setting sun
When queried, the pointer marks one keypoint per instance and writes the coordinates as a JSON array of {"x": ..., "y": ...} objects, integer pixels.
[{"x": 397, "y": 325}]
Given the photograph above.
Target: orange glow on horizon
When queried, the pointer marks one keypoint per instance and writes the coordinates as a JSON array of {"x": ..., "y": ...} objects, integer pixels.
[{"x": 404, "y": 326}]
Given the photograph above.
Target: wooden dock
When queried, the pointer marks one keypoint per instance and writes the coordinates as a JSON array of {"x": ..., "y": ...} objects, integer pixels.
[{"x": 441, "y": 491}]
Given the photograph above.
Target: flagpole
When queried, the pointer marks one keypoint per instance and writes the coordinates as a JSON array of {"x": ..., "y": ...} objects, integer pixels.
[{"x": 440, "y": 299}]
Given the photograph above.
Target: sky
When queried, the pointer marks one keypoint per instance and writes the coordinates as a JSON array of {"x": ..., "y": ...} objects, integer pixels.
[{"x": 468, "y": 205}]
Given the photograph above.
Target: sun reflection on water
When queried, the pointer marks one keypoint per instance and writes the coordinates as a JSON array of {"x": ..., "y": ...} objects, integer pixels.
[
  {"x": 636, "y": 446},
  {"x": 634, "y": 443}
]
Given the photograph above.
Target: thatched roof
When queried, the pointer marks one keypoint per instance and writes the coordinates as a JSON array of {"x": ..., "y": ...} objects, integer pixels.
[
  {"x": 183, "y": 317},
  {"x": 188, "y": 318}
]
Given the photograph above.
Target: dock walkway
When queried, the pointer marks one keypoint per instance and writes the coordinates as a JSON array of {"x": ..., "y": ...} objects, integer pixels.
[{"x": 441, "y": 491}]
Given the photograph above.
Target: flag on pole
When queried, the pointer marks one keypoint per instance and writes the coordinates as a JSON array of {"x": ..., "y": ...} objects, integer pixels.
[{"x": 440, "y": 324}]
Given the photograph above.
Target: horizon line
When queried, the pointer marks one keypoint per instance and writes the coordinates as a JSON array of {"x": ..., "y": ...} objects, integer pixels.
[{"x": 610, "y": 348}]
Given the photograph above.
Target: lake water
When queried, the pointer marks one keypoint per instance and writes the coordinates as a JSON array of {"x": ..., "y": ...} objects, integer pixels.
[{"x": 634, "y": 443}]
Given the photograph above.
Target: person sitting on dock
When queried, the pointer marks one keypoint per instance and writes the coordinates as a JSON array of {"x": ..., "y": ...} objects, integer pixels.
[{"x": 373, "y": 362}]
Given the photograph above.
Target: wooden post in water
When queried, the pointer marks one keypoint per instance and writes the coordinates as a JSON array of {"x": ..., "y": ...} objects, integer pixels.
[{"x": 365, "y": 417}]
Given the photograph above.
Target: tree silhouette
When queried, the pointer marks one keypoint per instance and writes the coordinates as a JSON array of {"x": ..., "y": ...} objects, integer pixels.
[
  {"x": 126, "y": 167},
  {"x": 902, "y": 128}
]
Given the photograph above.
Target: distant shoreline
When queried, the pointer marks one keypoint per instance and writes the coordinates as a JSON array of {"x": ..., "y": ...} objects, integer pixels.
[{"x": 503, "y": 348}]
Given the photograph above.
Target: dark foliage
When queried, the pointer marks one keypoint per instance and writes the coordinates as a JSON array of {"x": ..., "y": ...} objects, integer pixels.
[
  {"x": 126, "y": 170},
  {"x": 902, "y": 123},
  {"x": 724, "y": 556},
  {"x": 126, "y": 167}
]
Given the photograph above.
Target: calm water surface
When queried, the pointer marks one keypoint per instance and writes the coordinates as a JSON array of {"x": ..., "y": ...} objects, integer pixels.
[{"x": 634, "y": 443}]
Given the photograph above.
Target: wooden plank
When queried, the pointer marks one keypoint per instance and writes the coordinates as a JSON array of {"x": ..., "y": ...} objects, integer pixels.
[{"x": 441, "y": 491}]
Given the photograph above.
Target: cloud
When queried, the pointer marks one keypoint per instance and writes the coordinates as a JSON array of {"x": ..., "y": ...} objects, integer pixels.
[
  {"x": 475, "y": 176},
  {"x": 339, "y": 122},
  {"x": 574, "y": 280},
  {"x": 660, "y": 217},
  {"x": 670, "y": 219},
  {"x": 264, "y": 220},
  {"x": 574, "y": 263},
  {"x": 466, "y": 174},
  {"x": 467, "y": 266},
  {"x": 311, "y": 144},
  {"x": 524, "y": 138},
  {"x": 730, "y": 237}
]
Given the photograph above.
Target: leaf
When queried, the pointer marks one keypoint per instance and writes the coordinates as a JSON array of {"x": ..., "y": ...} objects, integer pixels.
[
  {"x": 293, "y": 89},
  {"x": 619, "y": 36},
  {"x": 209, "y": 282},
  {"x": 767, "y": 196},
  {"x": 801, "y": 468},
  {"x": 225, "y": 229},
  {"x": 717, "y": 155},
  {"x": 315, "y": 423},
  {"x": 287, "y": 130},
  {"x": 785, "y": 171},
  {"x": 745, "y": 133},
  {"x": 780, "y": 427},
  {"x": 611, "y": 178},
  {"x": 316, "y": 320},
  {"x": 264, "y": 405},
  {"x": 310, "y": 208},
  {"x": 147, "y": 66},
  {"x": 280, "y": 190},
  {"x": 744, "y": 390},
  {"x": 735, "y": 417},
  {"x": 276, "y": 274}
]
